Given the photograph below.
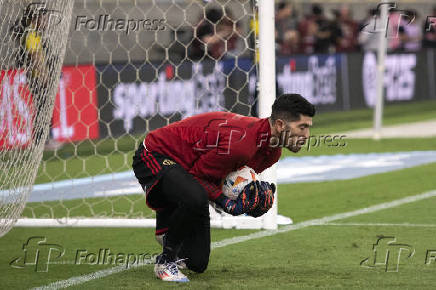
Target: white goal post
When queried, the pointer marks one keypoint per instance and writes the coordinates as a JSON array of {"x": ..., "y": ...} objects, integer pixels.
[{"x": 125, "y": 64}]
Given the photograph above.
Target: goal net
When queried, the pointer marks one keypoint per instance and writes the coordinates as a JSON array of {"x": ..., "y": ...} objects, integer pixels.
[
  {"x": 33, "y": 40},
  {"x": 131, "y": 67}
]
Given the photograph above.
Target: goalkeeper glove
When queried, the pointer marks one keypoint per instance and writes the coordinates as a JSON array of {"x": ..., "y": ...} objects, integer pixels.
[
  {"x": 266, "y": 199},
  {"x": 246, "y": 201}
]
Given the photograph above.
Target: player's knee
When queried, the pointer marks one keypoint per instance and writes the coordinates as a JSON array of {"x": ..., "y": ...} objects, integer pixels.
[
  {"x": 199, "y": 268},
  {"x": 199, "y": 204},
  {"x": 198, "y": 265}
]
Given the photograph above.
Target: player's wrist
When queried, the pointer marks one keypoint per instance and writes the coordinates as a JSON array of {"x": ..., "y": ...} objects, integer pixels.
[
  {"x": 228, "y": 205},
  {"x": 221, "y": 200}
]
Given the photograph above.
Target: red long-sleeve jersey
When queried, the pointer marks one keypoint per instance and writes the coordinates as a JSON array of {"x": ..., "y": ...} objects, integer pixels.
[{"x": 211, "y": 145}]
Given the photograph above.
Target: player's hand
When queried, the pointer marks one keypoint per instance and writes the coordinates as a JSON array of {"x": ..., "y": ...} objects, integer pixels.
[
  {"x": 266, "y": 199},
  {"x": 246, "y": 201},
  {"x": 249, "y": 197},
  {"x": 266, "y": 193}
]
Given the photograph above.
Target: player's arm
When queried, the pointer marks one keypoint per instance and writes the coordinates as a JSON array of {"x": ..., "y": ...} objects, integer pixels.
[
  {"x": 225, "y": 151},
  {"x": 247, "y": 200},
  {"x": 215, "y": 165}
]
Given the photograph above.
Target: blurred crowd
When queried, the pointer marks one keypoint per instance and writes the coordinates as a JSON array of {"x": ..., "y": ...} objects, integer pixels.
[
  {"x": 317, "y": 33},
  {"x": 217, "y": 35}
]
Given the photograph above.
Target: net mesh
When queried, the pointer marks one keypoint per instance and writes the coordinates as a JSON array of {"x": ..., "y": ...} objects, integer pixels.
[
  {"x": 33, "y": 41},
  {"x": 132, "y": 67}
]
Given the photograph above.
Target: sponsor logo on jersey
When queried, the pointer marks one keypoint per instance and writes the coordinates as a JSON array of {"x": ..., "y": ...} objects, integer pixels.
[{"x": 168, "y": 162}]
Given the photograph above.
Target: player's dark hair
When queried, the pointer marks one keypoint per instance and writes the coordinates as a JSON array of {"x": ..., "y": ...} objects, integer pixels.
[{"x": 290, "y": 107}]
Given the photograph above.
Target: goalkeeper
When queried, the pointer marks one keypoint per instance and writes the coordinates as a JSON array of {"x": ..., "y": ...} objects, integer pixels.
[{"x": 181, "y": 167}]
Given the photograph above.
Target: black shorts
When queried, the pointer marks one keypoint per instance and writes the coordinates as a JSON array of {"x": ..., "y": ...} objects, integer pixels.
[
  {"x": 181, "y": 204},
  {"x": 149, "y": 167}
]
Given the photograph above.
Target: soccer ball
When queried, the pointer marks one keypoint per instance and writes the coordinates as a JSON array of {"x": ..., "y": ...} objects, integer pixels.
[{"x": 235, "y": 182}]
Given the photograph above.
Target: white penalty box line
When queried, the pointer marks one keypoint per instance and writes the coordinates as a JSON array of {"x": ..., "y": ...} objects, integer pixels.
[{"x": 257, "y": 235}]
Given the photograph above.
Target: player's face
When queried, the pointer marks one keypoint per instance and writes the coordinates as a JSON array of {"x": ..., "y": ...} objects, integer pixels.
[{"x": 297, "y": 133}]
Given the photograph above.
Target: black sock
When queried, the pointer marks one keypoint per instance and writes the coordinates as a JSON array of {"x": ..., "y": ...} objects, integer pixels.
[{"x": 170, "y": 250}]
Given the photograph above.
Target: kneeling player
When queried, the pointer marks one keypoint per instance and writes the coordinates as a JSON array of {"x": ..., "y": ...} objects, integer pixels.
[{"x": 181, "y": 167}]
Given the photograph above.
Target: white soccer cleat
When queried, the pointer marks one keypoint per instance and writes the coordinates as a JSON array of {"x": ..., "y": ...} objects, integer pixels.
[
  {"x": 180, "y": 262},
  {"x": 168, "y": 271}
]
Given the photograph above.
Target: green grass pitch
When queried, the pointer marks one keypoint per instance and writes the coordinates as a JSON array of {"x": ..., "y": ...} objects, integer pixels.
[{"x": 319, "y": 256}]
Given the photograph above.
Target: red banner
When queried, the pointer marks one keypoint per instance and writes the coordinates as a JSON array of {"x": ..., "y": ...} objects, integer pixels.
[
  {"x": 75, "y": 115},
  {"x": 16, "y": 109}
]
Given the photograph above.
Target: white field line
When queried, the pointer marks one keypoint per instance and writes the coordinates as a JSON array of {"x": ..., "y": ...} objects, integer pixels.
[
  {"x": 327, "y": 224},
  {"x": 239, "y": 239},
  {"x": 381, "y": 225}
]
